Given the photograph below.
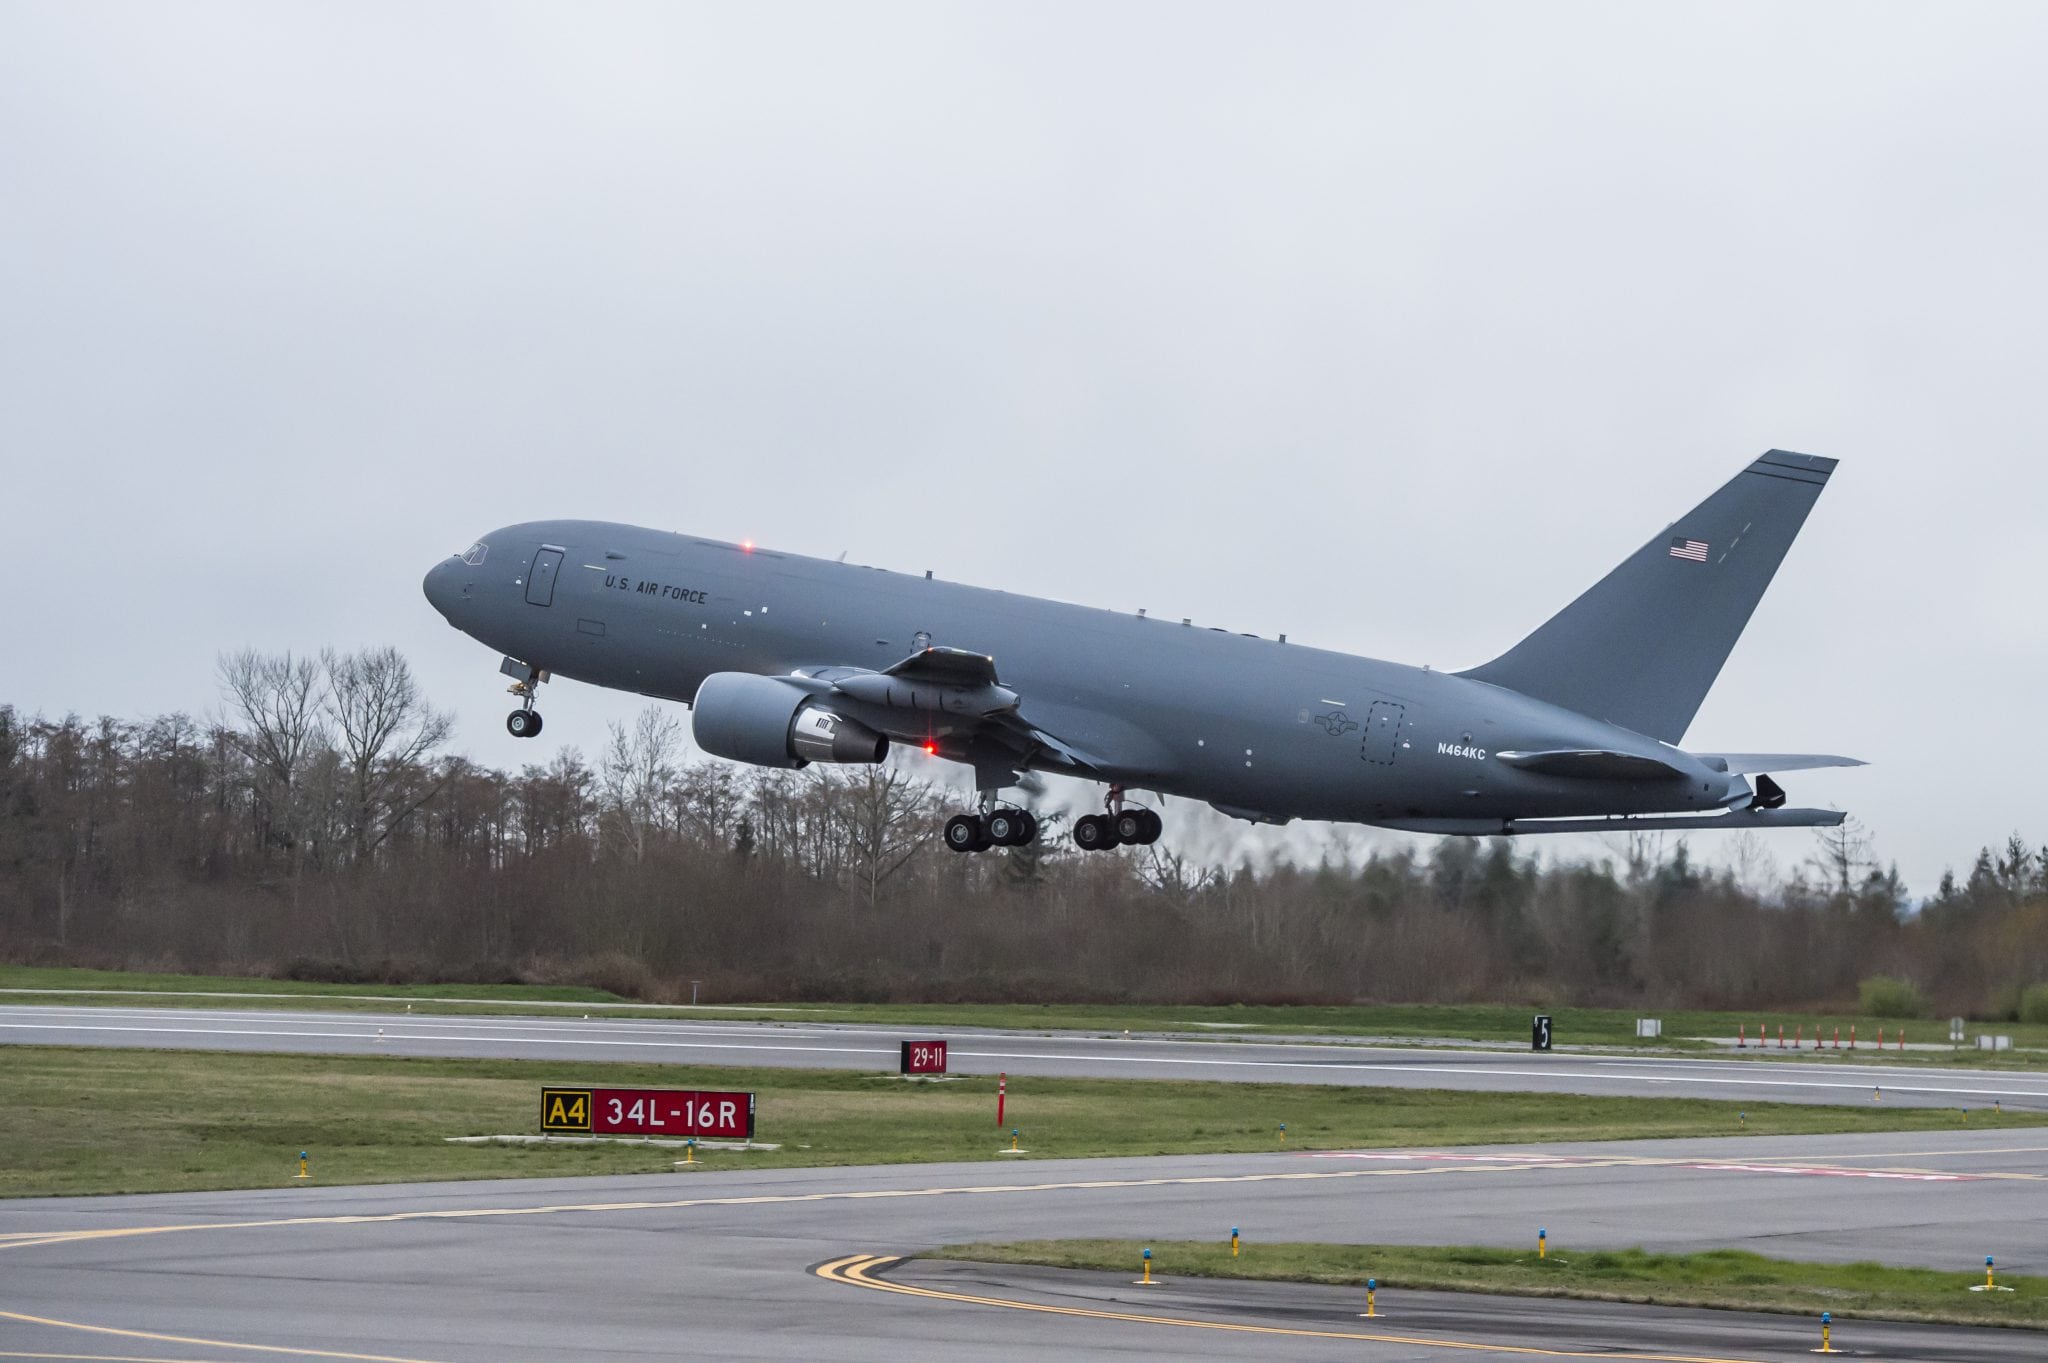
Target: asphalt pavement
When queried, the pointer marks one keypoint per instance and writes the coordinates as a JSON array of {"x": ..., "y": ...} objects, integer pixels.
[
  {"x": 986, "y": 1052},
  {"x": 738, "y": 1264}
]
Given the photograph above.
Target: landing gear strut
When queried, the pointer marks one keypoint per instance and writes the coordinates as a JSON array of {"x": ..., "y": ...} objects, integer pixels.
[
  {"x": 1122, "y": 826},
  {"x": 525, "y": 721}
]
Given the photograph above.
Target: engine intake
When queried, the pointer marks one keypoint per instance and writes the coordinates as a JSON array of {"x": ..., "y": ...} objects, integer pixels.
[{"x": 768, "y": 722}]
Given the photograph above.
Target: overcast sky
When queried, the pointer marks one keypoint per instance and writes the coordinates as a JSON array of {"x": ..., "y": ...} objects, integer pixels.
[{"x": 1391, "y": 327}]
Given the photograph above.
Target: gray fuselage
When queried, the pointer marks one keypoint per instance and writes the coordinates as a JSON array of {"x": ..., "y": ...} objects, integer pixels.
[{"x": 1257, "y": 727}]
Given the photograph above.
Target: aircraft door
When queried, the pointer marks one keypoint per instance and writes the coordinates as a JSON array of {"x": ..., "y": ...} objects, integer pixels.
[
  {"x": 540, "y": 581},
  {"x": 1382, "y": 733}
]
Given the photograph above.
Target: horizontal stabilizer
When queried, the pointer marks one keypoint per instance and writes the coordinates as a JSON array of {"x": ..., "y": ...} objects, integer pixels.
[
  {"x": 1649, "y": 823},
  {"x": 1750, "y": 763},
  {"x": 1593, "y": 764},
  {"x": 1736, "y": 821}
]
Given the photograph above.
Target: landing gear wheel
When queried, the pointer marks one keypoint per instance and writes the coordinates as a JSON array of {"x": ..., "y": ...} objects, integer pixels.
[
  {"x": 1138, "y": 827},
  {"x": 523, "y": 723},
  {"x": 966, "y": 833},
  {"x": 1010, "y": 827},
  {"x": 1094, "y": 833}
]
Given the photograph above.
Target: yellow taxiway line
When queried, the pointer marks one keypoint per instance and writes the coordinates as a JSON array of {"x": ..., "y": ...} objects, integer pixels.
[{"x": 854, "y": 1270}]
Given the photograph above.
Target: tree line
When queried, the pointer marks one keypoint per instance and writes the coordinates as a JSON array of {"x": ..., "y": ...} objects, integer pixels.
[{"x": 315, "y": 825}]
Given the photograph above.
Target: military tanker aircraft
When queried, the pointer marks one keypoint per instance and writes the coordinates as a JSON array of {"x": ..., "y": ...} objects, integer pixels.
[{"x": 787, "y": 660}]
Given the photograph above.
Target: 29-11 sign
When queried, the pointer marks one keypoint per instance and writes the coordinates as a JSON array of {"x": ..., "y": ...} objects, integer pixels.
[
  {"x": 923, "y": 1057},
  {"x": 647, "y": 1112}
]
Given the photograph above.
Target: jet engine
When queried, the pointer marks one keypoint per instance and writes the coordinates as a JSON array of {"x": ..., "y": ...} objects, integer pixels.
[{"x": 770, "y": 723}]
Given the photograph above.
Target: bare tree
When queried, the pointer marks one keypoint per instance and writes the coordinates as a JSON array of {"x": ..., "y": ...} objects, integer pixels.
[
  {"x": 887, "y": 815},
  {"x": 1173, "y": 875},
  {"x": 1754, "y": 869},
  {"x": 1840, "y": 855},
  {"x": 275, "y": 719},
  {"x": 636, "y": 775},
  {"x": 709, "y": 799},
  {"x": 388, "y": 733}
]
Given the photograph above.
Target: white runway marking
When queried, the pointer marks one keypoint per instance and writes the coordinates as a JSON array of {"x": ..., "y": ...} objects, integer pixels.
[
  {"x": 1705, "y": 1166},
  {"x": 1531, "y": 1074}
]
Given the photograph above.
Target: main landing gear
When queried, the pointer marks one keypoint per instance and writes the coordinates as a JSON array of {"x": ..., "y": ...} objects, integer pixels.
[
  {"x": 996, "y": 828},
  {"x": 1123, "y": 826},
  {"x": 525, "y": 721}
]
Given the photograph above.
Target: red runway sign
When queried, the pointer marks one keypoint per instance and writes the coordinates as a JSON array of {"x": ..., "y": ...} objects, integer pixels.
[
  {"x": 647, "y": 1112},
  {"x": 924, "y": 1057}
]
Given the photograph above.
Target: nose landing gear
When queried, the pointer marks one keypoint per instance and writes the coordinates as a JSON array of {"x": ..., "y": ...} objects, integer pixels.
[{"x": 525, "y": 721}]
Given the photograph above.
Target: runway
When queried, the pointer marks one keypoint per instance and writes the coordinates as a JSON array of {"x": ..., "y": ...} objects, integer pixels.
[
  {"x": 728, "y": 1264},
  {"x": 986, "y": 1052}
]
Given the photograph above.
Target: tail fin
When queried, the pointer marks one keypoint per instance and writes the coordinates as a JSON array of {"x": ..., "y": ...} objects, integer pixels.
[{"x": 1644, "y": 643}]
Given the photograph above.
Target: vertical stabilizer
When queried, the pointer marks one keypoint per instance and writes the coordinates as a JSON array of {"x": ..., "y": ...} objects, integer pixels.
[{"x": 1643, "y": 645}]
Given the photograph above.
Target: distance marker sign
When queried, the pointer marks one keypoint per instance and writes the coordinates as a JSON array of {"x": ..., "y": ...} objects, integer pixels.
[
  {"x": 923, "y": 1057},
  {"x": 647, "y": 1112}
]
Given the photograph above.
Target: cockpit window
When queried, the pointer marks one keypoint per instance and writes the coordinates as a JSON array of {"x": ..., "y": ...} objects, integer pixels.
[{"x": 475, "y": 553}]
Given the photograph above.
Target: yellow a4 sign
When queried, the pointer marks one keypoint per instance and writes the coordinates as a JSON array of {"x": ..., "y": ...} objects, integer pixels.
[{"x": 565, "y": 1109}]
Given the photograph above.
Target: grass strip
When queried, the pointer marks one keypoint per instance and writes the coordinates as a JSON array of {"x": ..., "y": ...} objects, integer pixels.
[
  {"x": 92, "y": 1120},
  {"x": 1729, "y": 1279},
  {"x": 60, "y": 978},
  {"x": 1572, "y": 1026}
]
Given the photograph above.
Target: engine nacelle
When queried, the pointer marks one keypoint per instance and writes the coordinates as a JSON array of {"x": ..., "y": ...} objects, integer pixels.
[{"x": 770, "y": 723}]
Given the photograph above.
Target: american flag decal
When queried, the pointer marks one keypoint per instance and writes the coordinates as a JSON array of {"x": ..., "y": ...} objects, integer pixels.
[{"x": 1696, "y": 550}]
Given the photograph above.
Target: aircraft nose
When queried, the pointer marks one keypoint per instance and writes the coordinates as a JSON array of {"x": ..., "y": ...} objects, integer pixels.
[{"x": 443, "y": 586}]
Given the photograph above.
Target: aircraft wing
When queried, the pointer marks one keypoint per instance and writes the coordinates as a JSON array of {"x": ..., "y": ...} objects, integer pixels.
[
  {"x": 939, "y": 681},
  {"x": 1593, "y": 764},
  {"x": 1751, "y": 763},
  {"x": 1029, "y": 739},
  {"x": 954, "y": 696}
]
